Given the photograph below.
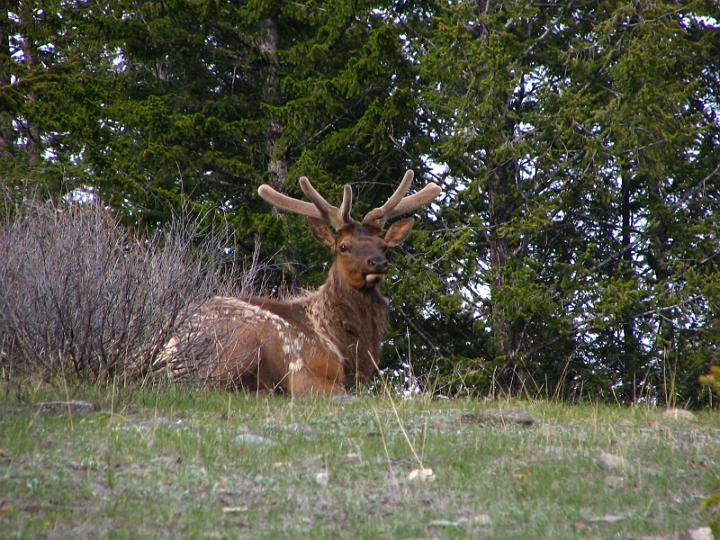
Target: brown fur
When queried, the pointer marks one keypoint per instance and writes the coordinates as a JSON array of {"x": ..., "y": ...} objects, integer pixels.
[{"x": 324, "y": 342}]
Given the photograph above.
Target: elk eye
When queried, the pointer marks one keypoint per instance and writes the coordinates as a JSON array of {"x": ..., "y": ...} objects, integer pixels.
[{"x": 343, "y": 247}]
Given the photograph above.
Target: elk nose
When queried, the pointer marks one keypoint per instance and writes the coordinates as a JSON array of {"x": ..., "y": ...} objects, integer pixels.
[{"x": 378, "y": 264}]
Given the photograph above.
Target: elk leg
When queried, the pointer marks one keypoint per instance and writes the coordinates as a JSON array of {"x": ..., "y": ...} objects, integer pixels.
[
  {"x": 323, "y": 376},
  {"x": 304, "y": 383},
  {"x": 256, "y": 376}
]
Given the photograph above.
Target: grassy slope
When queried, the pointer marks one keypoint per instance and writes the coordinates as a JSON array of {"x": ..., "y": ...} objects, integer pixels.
[{"x": 168, "y": 464}]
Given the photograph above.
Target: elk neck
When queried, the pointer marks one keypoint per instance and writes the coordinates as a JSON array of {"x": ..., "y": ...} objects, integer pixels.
[{"x": 353, "y": 319}]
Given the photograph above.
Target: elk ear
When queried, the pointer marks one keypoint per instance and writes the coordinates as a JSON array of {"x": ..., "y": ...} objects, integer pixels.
[
  {"x": 398, "y": 232},
  {"x": 321, "y": 232}
]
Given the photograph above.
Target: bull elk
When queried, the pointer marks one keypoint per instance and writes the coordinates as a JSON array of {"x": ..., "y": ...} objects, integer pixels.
[{"x": 321, "y": 342}]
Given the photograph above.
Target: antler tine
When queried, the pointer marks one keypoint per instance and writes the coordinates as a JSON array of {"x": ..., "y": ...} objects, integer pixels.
[
  {"x": 425, "y": 196},
  {"x": 337, "y": 217},
  {"x": 319, "y": 208},
  {"x": 398, "y": 204},
  {"x": 378, "y": 216},
  {"x": 346, "y": 205},
  {"x": 283, "y": 202}
]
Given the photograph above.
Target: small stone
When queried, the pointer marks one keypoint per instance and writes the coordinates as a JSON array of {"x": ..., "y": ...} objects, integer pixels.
[
  {"x": 302, "y": 429},
  {"x": 612, "y": 461},
  {"x": 481, "y": 519},
  {"x": 678, "y": 414},
  {"x": 322, "y": 478},
  {"x": 501, "y": 417},
  {"x": 701, "y": 533},
  {"x": 444, "y": 523},
  {"x": 66, "y": 407},
  {"x": 234, "y": 509},
  {"x": 614, "y": 482},
  {"x": 608, "y": 519},
  {"x": 251, "y": 438},
  {"x": 344, "y": 398},
  {"x": 421, "y": 474}
]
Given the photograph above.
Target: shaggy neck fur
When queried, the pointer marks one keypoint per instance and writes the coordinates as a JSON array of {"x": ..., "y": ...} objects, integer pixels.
[{"x": 353, "y": 320}]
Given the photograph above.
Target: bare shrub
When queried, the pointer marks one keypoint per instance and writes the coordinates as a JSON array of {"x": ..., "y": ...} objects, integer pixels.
[{"x": 82, "y": 295}]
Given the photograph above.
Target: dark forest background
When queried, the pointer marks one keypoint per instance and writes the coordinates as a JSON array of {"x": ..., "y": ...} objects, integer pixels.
[{"x": 576, "y": 249}]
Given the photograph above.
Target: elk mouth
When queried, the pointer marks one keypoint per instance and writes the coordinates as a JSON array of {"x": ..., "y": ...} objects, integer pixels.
[{"x": 373, "y": 278}]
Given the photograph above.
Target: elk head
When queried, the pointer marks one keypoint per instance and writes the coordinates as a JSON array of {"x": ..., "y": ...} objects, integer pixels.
[{"x": 358, "y": 248}]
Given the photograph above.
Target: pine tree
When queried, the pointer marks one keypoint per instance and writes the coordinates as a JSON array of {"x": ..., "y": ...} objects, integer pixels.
[
  {"x": 570, "y": 132},
  {"x": 203, "y": 101},
  {"x": 28, "y": 66}
]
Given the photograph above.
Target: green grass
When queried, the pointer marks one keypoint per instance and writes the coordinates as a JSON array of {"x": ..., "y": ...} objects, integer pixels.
[{"x": 167, "y": 463}]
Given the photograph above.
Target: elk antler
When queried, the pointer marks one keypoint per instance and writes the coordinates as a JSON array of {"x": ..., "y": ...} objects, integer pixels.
[
  {"x": 398, "y": 204},
  {"x": 318, "y": 209}
]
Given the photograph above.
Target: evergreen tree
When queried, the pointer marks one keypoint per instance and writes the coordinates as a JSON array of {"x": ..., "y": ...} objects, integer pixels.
[
  {"x": 206, "y": 100},
  {"x": 574, "y": 134},
  {"x": 31, "y": 69},
  {"x": 575, "y": 250}
]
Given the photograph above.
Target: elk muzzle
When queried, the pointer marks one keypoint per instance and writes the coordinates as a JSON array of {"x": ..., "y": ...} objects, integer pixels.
[{"x": 377, "y": 268}]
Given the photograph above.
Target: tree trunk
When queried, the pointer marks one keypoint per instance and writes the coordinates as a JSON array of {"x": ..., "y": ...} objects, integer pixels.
[
  {"x": 30, "y": 58},
  {"x": 502, "y": 199},
  {"x": 658, "y": 261},
  {"x": 277, "y": 166},
  {"x": 6, "y": 129},
  {"x": 630, "y": 348}
]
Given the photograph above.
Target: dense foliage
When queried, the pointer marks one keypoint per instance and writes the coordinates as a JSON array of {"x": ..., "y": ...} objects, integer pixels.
[{"x": 575, "y": 251}]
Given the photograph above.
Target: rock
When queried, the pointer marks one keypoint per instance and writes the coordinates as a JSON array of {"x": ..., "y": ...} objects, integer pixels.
[
  {"x": 608, "y": 519},
  {"x": 701, "y": 533},
  {"x": 421, "y": 474},
  {"x": 443, "y": 424},
  {"x": 678, "y": 414},
  {"x": 234, "y": 509},
  {"x": 345, "y": 398},
  {"x": 612, "y": 461},
  {"x": 444, "y": 523},
  {"x": 322, "y": 478},
  {"x": 302, "y": 429},
  {"x": 73, "y": 407},
  {"x": 480, "y": 519},
  {"x": 614, "y": 482},
  {"x": 251, "y": 438},
  {"x": 501, "y": 417}
]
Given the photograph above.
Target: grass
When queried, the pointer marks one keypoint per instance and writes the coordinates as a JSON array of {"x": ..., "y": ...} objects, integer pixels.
[{"x": 168, "y": 463}]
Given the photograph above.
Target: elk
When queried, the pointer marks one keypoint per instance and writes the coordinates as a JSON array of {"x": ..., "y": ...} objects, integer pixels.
[{"x": 323, "y": 342}]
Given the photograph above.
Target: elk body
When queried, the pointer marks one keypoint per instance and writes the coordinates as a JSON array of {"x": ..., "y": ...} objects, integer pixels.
[{"x": 323, "y": 342}]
